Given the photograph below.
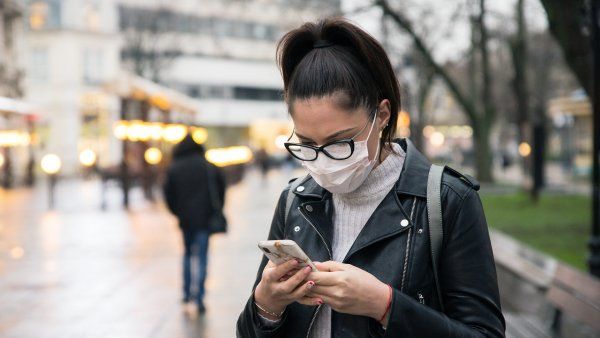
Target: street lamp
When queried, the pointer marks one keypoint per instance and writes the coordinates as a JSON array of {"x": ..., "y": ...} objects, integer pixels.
[
  {"x": 88, "y": 158},
  {"x": 199, "y": 135},
  {"x": 524, "y": 149},
  {"x": 153, "y": 156},
  {"x": 594, "y": 243},
  {"x": 51, "y": 165},
  {"x": 174, "y": 133},
  {"x": 437, "y": 139}
]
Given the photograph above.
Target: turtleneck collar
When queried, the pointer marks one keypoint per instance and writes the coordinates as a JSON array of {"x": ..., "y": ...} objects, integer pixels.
[{"x": 381, "y": 179}]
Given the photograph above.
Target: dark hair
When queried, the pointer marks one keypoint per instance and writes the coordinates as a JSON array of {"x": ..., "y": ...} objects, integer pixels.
[
  {"x": 346, "y": 60},
  {"x": 187, "y": 147}
]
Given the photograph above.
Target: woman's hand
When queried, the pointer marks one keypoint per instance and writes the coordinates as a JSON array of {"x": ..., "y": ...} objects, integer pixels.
[
  {"x": 280, "y": 286},
  {"x": 348, "y": 289}
]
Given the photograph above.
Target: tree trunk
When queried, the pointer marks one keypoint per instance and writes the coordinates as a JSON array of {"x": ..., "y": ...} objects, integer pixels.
[
  {"x": 566, "y": 23},
  {"x": 485, "y": 158},
  {"x": 518, "y": 48},
  {"x": 483, "y": 152}
]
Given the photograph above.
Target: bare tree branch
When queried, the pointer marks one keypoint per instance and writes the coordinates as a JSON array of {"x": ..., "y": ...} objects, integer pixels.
[{"x": 405, "y": 24}]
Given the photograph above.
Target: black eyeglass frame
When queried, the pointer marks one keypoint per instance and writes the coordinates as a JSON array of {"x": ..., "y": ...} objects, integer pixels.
[{"x": 317, "y": 149}]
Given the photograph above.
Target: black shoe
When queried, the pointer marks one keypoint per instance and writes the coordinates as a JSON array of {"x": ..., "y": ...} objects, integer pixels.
[
  {"x": 201, "y": 308},
  {"x": 186, "y": 299}
]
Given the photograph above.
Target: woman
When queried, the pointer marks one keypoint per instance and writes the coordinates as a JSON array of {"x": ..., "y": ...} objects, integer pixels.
[{"x": 362, "y": 211}]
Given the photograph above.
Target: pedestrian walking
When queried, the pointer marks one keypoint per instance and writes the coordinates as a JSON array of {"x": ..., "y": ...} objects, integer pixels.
[
  {"x": 194, "y": 191},
  {"x": 401, "y": 247}
]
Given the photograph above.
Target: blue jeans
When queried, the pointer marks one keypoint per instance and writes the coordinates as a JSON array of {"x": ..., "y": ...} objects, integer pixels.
[{"x": 196, "y": 247}]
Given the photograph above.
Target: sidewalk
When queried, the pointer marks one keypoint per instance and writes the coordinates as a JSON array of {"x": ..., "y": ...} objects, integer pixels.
[{"x": 81, "y": 272}]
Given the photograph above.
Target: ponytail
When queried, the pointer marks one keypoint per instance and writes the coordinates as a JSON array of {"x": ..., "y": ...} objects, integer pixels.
[{"x": 335, "y": 56}]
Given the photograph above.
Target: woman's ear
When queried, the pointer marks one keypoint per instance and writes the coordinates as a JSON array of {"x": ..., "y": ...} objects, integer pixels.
[{"x": 384, "y": 113}]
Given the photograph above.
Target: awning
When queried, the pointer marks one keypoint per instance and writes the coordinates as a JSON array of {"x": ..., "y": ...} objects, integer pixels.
[
  {"x": 17, "y": 107},
  {"x": 135, "y": 87}
]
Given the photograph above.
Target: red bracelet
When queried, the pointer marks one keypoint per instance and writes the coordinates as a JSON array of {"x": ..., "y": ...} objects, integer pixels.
[{"x": 389, "y": 303}]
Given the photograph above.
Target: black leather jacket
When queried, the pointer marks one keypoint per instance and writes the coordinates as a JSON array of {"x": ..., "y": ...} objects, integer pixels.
[{"x": 398, "y": 255}]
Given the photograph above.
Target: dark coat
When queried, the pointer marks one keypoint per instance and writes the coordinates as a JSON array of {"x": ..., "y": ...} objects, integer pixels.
[
  {"x": 399, "y": 255},
  {"x": 186, "y": 188}
]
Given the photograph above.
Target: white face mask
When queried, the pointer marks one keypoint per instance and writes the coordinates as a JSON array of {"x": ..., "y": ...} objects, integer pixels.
[{"x": 344, "y": 176}]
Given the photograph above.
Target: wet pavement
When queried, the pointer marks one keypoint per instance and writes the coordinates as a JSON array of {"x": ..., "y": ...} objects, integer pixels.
[{"x": 78, "y": 271}]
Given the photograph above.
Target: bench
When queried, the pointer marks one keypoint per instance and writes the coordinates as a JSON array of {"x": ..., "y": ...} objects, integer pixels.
[
  {"x": 571, "y": 293},
  {"x": 559, "y": 294},
  {"x": 576, "y": 294}
]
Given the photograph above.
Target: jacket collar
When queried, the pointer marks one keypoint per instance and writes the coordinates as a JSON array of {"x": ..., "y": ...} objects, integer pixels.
[{"x": 412, "y": 181}]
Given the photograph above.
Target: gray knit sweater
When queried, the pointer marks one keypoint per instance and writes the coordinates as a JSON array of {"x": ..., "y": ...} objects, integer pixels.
[{"x": 351, "y": 213}]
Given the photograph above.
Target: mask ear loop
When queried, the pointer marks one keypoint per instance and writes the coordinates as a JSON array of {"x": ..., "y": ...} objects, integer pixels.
[{"x": 292, "y": 134}]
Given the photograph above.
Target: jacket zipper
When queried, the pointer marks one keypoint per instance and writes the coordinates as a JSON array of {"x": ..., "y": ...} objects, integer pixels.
[
  {"x": 313, "y": 226},
  {"x": 331, "y": 256},
  {"x": 421, "y": 298},
  {"x": 405, "y": 260},
  {"x": 312, "y": 321},
  {"x": 412, "y": 212}
]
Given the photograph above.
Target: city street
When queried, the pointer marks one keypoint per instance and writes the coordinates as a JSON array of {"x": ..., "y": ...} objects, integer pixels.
[{"x": 82, "y": 272}]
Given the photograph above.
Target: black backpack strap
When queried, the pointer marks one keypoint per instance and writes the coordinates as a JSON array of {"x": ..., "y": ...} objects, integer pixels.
[{"x": 436, "y": 231}]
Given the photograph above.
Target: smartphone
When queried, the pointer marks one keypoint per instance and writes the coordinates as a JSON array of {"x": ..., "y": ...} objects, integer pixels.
[{"x": 281, "y": 251}]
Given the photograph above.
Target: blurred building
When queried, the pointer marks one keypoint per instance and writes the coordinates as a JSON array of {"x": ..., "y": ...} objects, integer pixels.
[
  {"x": 11, "y": 13},
  {"x": 570, "y": 141},
  {"x": 14, "y": 121},
  {"x": 71, "y": 49},
  {"x": 221, "y": 53}
]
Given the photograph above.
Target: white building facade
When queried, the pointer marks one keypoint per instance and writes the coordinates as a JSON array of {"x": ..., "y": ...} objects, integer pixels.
[
  {"x": 71, "y": 48},
  {"x": 225, "y": 53}
]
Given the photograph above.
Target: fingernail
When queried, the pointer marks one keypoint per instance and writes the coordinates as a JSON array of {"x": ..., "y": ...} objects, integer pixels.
[
  {"x": 320, "y": 302},
  {"x": 307, "y": 269},
  {"x": 294, "y": 262}
]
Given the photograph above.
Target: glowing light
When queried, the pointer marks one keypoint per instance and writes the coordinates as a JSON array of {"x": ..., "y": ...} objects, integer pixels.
[
  {"x": 88, "y": 157},
  {"x": 120, "y": 130},
  {"x": 138, "y": 95},
  {"x": 142, "y": 130},
  {"x": 222, "y": 157},
  {"x": 428, "y": 130},
  {"x": 153, "y": 156},
  {"x": 160, "y": 101},
  {"x": 51, "y": 164},
  {"x": 174, "y": 133},
  {"x": 2, "y": 160},
  {"x": 17, "y": 252},
  {"x": 134, "y": 130},
  {"x": 14, "y": 138},
  {"x": 403, "y": 119},
  {"x": 280, "y": 140},
  {"x": 437, "y": 139},
  {"x": 38, "y": 15},
  {"x": 156, "y": 131},
  {"x": 524, "y": 149},
  {"x": 199, "y": 135}
]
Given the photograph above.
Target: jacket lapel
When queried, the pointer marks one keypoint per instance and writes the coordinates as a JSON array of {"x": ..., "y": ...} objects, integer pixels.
[
  {"x": 316, "y": 207},
  {"x": 389, "y": 219}
]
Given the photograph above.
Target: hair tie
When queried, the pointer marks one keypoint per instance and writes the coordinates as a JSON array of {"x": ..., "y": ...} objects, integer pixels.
[{"x": 322, "y": 44}]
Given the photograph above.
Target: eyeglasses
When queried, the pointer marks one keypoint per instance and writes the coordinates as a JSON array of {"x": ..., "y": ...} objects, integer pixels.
[{"x": 336, "y": 150}]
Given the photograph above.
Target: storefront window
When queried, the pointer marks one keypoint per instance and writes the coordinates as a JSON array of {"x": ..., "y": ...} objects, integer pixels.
[{"x": 44, "y": 14}]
